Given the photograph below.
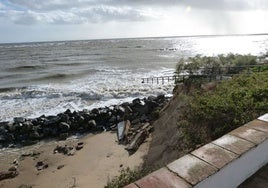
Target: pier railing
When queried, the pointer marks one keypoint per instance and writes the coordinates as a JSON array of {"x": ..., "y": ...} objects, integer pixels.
[{"x": 209, "y": 74}]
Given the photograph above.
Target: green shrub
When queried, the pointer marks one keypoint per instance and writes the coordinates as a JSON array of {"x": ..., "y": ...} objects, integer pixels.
[
  {"x": 212, "y": 66},
  {"x": 233, "y": 103},
  {"x": 126, "y": 177}
]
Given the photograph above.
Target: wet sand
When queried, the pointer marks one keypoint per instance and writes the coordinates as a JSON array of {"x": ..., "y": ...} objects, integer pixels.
[{"x": 99, "y": 160}]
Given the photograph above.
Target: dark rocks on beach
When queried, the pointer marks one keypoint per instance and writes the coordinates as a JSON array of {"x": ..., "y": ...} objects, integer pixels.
[
  {"x": 60, "y": 167},
  {"x": 79, "y": 145},
  {"x": 40, "y": 165},
  {"x": 8, "y": 174},
  {"x": 29, "y": 131}
]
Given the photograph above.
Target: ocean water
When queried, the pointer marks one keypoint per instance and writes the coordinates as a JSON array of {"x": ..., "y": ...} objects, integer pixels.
[{"x": 49, "y": 77}]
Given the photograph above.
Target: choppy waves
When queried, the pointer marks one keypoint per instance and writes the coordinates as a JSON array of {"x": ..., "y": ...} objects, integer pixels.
[
  {"x": 46, "y": 78},
  {"x": 105, "y": 88}
]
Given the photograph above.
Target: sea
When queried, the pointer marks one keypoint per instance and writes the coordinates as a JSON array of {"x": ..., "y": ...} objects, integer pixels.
[{"x": 49, "y": 77}]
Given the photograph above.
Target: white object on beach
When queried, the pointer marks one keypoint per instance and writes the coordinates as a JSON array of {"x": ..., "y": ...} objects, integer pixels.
[{"x": 120, "y": 130}]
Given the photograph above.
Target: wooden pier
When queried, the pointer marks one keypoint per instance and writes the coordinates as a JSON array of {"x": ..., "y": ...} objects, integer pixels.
[
  {"x": 209, "y": 74},
  {"x": 163, "y": 79}
]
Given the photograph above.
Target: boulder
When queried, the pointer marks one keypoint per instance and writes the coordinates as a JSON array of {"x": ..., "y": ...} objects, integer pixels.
[
  {"x": 34, "y": 135},
  {"x": 64, "y": 127},
  {"x": 140, "y": 108},
  {"x": 19, "y": 119},
  {"x": 68, "y": 111},
  {"x": 26, "y": 127},
  {"x": 8, "y": 174},
  {"x": 63, "y": 136},
  {"x": 136, "y": 101},
  {"x": 11, "y": 126},
  {"x": 95, "y": 111},
  {"x": 92, "y": 124},
  {"x": 40, "y": 165},
  {"x": 79, "y": 145},
  {"x": 64, "y": 117}
]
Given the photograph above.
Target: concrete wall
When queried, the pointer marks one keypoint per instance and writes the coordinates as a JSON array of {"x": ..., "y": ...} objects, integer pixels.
[{"x": 223, "y": 163}]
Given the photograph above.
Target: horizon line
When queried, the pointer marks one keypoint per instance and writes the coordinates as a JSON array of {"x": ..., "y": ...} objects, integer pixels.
[{"x": 118, "y": 38}]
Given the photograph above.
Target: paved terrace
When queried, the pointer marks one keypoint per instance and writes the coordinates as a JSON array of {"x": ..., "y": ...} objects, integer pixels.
[{"x": 226, "y": 162}]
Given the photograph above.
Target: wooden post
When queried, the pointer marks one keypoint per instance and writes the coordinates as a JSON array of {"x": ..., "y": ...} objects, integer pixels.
[
  {"x": 168, "y": 78},
  {"x": 162, "y": 80}
]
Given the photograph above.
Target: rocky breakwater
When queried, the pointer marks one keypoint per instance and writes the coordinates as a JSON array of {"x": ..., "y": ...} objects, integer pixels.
[{"x": 137, "y": 115}]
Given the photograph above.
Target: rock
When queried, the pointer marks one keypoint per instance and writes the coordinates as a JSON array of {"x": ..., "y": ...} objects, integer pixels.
[
  {"x": 140, "y": 108},
  {"x": 95, "y": 111},
  {"x": 60, "y": 167},
  {"x": 45, "y": 166},
  {"x": 128, "y": 110},
  {"x": 71, "y": 152},
  {"x": 64, "y": 127},
  {"x": 8, "y": 174},
  {"x": 64, "y": 149},
  {"x": 2, "y": 138},
  {"x": 64, "y": 117},
  {"x": 31, "y": 154},
  {"x": 50, "y": 121},
  {"x": 13, "y": 169},
  {"x": 92, "y": 124},
  {"x": 19, "y": 119},
  {"x": 34, "y": 135},
  {"x": 79, "y": 145},
  {"x": 161, "y": 97},
  {"x": 112, "y": 120},
  {"x": 120, "y": 110},
  {"x": 152, "y": 98},
  {"x": 26, "y": 127},
  {"x": 63, "y": 136},
  {"x": 40, "y": 165},
  {"x": 15, "y": 162},
  {"x": 28, "y": 142},
  {"x": 80, "y": 119},
  {"x": 68, "y": 111},
  {"x": 11, "y": 127},
  {"x": 136, "y": 101}
]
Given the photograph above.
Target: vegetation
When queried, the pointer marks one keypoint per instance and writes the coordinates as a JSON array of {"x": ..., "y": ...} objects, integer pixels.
[
  {"x": 233, "y": 63},
  {"x": 126, "y": 177},
  {"x": 231, "y": 104},
  {"x": 209, "y": 114}
]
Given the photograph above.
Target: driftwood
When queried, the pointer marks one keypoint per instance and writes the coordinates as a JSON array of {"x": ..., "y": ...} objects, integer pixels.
[
  {"x": 126, "y": 131},
  {"x": 137, "y": 141},
  {"x": 8, "y": 174}
]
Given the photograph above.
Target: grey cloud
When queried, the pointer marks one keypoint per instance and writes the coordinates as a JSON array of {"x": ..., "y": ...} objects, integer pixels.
[
  {"x": 85, "y": 11},
  {"x": 78, "y": 16},
  {"x": 48, "y": 5}
]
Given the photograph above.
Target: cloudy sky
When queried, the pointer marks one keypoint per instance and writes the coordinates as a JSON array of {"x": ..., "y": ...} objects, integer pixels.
[{"x": 48, "y": 20}]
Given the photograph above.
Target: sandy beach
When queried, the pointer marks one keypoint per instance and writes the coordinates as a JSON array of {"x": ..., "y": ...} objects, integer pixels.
[{"x": 100, "y": 159}]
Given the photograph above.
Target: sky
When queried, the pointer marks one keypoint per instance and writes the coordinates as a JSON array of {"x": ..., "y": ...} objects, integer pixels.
[{"x": 54, "y": 20}]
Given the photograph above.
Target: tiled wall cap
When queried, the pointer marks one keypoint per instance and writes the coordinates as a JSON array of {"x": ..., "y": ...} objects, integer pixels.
[
  {"x": 162, "y": 178},
  {"x": 234, "y": 144},
  {"x": 192, "y": 169},
  {"x": 131, "y": 186},
  {"x": 263, "y": 117},
  {"x": 258, "y": 125},
  {"x": 251, "y": 135},
  {"x": 214, "y": 155}
]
